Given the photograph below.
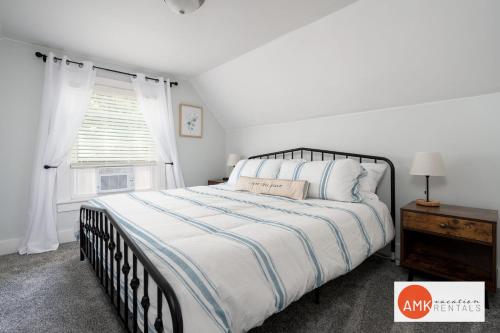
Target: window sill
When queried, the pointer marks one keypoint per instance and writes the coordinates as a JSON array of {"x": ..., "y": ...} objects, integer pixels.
[{"x": 75, "y": 203}]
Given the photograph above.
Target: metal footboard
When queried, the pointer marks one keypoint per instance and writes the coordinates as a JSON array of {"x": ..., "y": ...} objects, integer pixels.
[{"x": 101, "y": 242}]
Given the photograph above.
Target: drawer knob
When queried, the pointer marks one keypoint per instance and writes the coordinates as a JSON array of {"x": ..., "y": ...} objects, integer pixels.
[{"x": 443, "y": 225}]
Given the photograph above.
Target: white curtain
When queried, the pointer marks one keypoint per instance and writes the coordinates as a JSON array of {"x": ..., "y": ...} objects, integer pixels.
[
  {"x": 66, "y": 93},
  {"x": 155, "y": 102}
]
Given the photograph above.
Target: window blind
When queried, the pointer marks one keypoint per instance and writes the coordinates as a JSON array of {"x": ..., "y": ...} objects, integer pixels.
[{"x": 113, "y": 132}]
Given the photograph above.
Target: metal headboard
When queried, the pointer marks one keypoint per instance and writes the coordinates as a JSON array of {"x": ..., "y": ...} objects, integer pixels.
[{"x": 330, "y": 154}]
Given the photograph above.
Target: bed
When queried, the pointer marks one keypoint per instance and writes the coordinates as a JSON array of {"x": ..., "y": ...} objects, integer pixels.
[{"x": 212, "y": 259}]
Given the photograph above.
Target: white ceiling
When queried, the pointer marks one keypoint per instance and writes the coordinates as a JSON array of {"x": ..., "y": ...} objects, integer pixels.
[
  {"x": 370, "y": 55},
  {"x": 145, "y": 33}
]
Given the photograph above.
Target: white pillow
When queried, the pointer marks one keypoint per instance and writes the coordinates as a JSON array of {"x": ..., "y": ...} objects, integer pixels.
[
  {"x": 289, "y": 169},
  {"x": 257, "y": 168},
  {"x": 370, "y": 179},
  {"x": 294, "y": 189},
  {"x": 331, "y": 180}
]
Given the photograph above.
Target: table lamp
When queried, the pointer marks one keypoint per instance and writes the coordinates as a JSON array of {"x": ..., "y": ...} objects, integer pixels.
[
  {"x": 232, "y": 159},
  {"x": 427, "y": 164}
]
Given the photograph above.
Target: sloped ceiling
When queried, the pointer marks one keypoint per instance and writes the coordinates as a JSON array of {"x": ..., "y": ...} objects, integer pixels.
[
  {"x": 145, "y": 33},
  {"x": 369, "y": 55}
]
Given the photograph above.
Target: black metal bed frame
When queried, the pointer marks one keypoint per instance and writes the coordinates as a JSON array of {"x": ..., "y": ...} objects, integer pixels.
[{"x": 101, "y": 235}]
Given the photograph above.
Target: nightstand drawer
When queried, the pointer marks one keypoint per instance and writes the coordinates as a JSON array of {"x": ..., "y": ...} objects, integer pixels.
[
  {"x": 467, "y": 229},
  {"x": 215, "y": 181}
]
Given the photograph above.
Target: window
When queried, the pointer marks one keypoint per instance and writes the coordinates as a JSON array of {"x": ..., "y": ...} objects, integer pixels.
[{"x": 114, "y": 131}]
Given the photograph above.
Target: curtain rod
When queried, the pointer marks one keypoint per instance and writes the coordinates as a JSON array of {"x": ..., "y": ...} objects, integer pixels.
[{"x": 44, "y": 58}]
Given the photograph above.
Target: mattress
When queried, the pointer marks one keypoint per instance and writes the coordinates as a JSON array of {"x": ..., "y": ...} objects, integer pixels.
[{"x": 236, "y": 258}]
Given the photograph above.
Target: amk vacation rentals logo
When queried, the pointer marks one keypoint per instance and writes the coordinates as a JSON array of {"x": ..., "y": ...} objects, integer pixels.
[{"x": 439, "y": 301}]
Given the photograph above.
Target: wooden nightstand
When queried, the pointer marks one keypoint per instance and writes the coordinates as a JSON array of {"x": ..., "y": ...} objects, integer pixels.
[
  {"x": 451, "y": 242},
  {"x": 216, "y": 181}
]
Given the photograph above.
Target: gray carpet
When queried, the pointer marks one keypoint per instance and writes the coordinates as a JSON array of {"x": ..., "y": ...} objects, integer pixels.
[{"x": 55, "y": 292}]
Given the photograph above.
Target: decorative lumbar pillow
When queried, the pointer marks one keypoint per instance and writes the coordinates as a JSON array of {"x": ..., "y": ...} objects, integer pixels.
[
  {"x": 289, "y": 169},
  {"x": 332, "y": 180},
  {"x": 295, "y": 189},
  {"x": 370, "y": 179},
  {"x": 258, "y": 168}
]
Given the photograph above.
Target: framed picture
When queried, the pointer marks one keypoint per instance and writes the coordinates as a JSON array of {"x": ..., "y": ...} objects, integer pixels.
[{"x": 190, "y": 121}]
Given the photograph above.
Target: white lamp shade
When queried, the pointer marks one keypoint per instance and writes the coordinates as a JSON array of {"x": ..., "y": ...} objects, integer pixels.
[
  {"x": 427, "y": 164},
  {"x": 232, "y": 159}
]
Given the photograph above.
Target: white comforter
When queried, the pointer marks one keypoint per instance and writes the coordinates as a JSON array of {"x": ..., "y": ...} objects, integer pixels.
[{"x": 236, "y": 258}]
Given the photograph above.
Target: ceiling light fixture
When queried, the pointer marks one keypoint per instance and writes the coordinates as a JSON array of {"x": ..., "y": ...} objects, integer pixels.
[{"x": 184, "y": 6}]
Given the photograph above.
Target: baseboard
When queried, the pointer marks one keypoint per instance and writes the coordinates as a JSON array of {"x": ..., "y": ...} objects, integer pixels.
[
  {"x": 8, "y": 246},
  {"x": 66, "y": 236}
]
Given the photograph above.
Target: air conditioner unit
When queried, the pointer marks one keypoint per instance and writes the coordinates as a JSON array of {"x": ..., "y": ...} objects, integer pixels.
[{"x": 115, "y": 179}]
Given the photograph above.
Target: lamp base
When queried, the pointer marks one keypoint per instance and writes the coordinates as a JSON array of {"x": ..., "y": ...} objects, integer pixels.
[{"x": 430, "y": 203}]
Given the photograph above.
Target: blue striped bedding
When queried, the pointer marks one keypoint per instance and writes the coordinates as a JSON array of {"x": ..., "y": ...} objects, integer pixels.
[{"x": 236, "y": 258}]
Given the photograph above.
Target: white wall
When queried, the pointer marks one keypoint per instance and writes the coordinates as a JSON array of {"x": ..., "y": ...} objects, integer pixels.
[
  {"x": 201, "y": 159},
  {"x": 466, "y": 131},
  {"x": 369, "y": 55},
  {"x": 20, "y": 95}
]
